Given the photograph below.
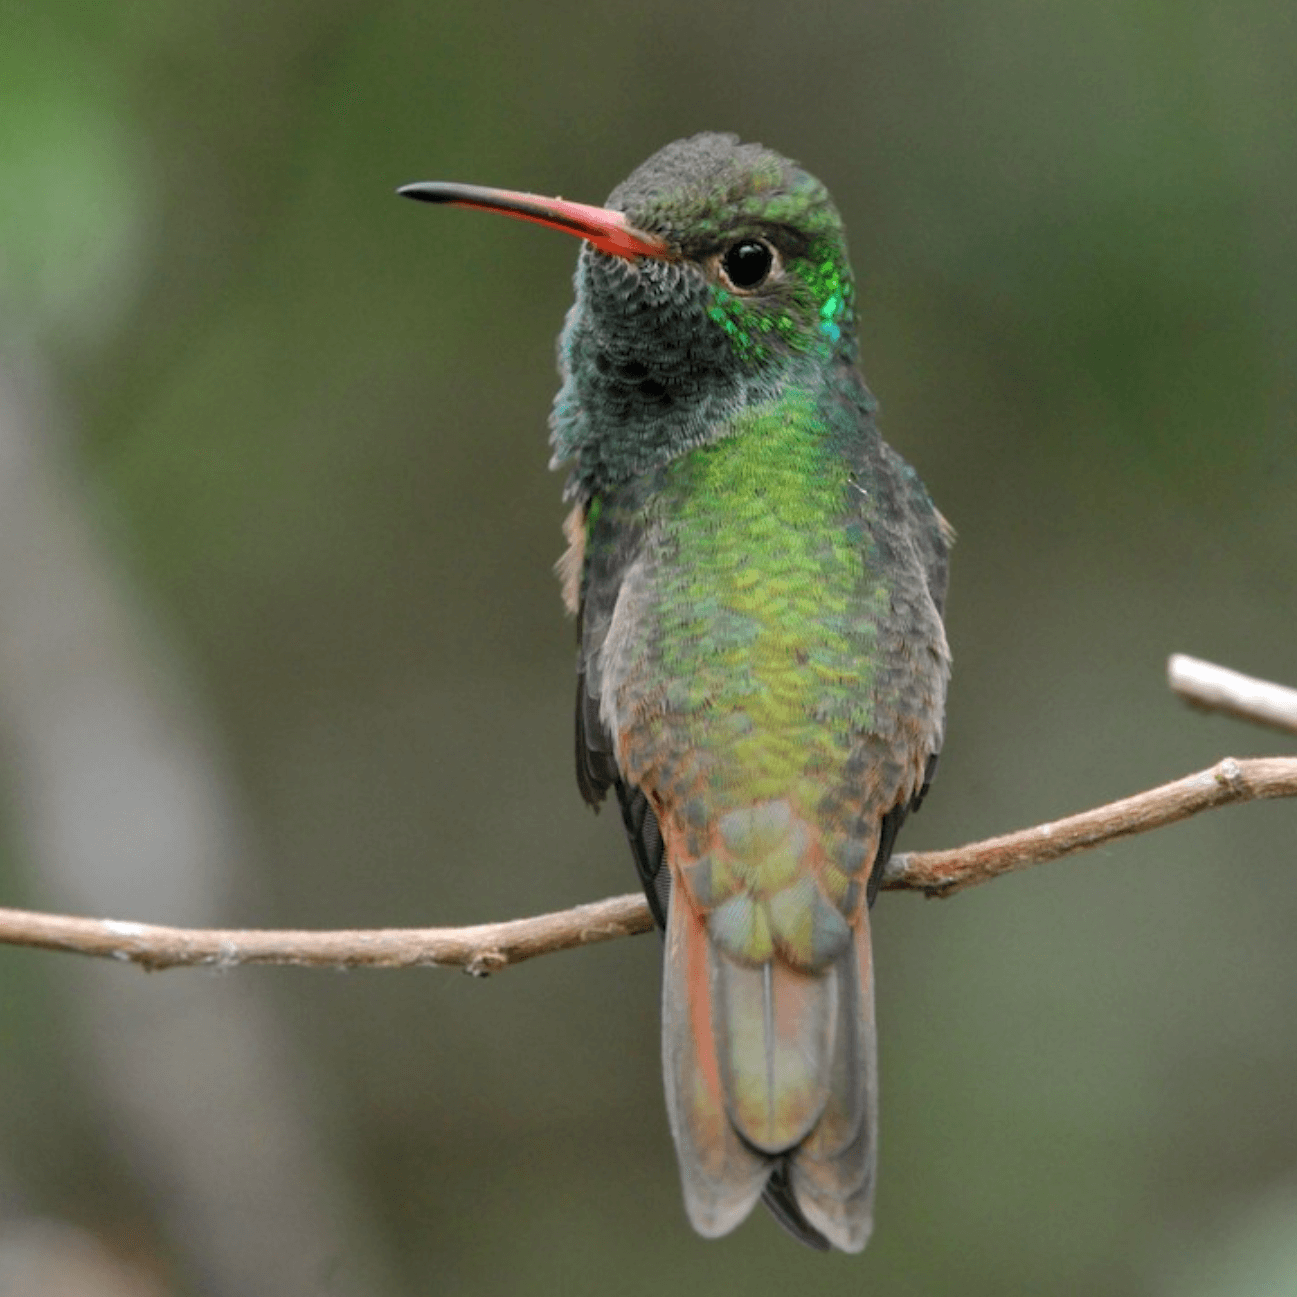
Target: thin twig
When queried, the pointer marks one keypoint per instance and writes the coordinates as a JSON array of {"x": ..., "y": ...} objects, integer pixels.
[
  {"x": 481, "y": 949},
  {"x": 1218, "y": 689},
  {"x": 491, "y": 947},
  {"x": 942, "y": 873}
]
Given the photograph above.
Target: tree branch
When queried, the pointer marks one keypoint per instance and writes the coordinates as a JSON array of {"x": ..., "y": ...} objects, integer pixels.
[
  {"x": 481, "y": 949},
  {"x": 942, "y": 873},
  {"x": 1218, "y": 689},
  {"x": 491, "y": 947}
]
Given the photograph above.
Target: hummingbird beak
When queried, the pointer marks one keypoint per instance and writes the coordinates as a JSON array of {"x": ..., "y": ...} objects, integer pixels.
[{"x": 608, "y": 230}]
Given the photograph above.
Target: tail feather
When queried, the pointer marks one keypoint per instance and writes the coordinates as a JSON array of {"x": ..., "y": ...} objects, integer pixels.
[
  {"x": 774, "y": 1035},
  {"x": 782, "y": 1205},
  {"x": 832, "y": 1172},
  {"x": 722, "y": 1176},
  {"x": 771, "y": 1085}
]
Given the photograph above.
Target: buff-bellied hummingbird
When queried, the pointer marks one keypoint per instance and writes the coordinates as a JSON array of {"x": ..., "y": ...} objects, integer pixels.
[{"x": 758, "y": 581}]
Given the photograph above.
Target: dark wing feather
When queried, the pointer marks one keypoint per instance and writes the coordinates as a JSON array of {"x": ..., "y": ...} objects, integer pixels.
[
  {"x": 782, "y": 1205},
  {"x": 596, "y": 766},
  {"x": 646, "y": 846}
]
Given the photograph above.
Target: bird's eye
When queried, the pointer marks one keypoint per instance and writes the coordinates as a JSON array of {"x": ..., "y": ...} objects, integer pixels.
[{"x": 748, "y": 264}]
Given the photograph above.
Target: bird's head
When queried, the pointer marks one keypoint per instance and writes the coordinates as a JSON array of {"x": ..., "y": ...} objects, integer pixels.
[{"x": 716, "y": 274}]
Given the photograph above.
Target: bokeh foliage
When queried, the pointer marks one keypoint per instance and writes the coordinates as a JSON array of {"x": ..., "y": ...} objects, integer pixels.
[{"x": 311, "y": 420}]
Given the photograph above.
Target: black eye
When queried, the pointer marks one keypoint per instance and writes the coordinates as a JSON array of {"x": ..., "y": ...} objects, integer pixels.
[{"x": 747, "y": 263}]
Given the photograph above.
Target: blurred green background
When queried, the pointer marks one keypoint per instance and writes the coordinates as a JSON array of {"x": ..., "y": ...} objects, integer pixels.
[{"x": 295, "y": 429}]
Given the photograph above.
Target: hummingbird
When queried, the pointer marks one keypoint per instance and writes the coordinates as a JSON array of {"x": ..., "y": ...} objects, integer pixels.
[{"x": 758, "y": 582}]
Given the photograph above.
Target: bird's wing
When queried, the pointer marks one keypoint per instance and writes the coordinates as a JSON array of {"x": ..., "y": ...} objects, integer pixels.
[
  {"x": 593, "y": 575},
  {"x": 901, "y": 748}
]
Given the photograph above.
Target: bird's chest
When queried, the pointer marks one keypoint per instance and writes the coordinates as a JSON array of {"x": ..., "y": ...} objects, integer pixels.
[{"x": 755, "y": 612}]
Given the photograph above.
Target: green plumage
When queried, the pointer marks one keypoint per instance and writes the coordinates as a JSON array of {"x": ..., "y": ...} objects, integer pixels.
[
  {"x": 761, "y": 639},
  {"x": 762, "y": 667}
]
